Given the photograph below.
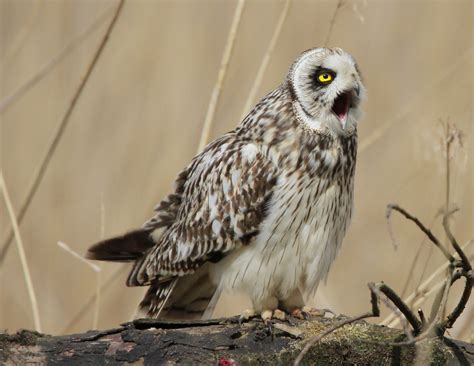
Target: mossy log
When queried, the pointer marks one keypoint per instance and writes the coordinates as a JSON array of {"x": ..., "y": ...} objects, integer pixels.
[{"x": 225, "y": 342}]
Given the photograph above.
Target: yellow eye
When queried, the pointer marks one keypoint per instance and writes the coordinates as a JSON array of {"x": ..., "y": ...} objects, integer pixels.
[{"x": 324, "y": 77}]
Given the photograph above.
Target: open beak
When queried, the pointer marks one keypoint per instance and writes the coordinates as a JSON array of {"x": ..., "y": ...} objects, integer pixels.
[{"x": 341, "y": 106}]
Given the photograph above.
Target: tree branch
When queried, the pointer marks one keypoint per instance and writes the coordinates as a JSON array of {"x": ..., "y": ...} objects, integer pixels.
[{"x": 225, "y": 342}]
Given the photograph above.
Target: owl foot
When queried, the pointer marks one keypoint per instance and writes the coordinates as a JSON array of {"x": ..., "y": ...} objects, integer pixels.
[
  {"x": 306, "y": 312},
  {"x": 267, "y": 316}
]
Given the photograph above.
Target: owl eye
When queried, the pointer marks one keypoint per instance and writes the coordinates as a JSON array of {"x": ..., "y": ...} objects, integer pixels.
[{"x": 325, "y": 77}]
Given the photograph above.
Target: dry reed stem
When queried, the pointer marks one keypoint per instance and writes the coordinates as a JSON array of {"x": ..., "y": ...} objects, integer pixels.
[
  {"x": 266, "y": 59},
  {"x": 414, "y": 263},
  {"x": 21, "y": 252},
  {"x": 420, "y": 295},
  {"x": 95, "y": 321},
  {"x": 76, "y": 255},
  {"x": 216, "y": 92},
  {"x": 51, "y": 64},
  {"x": 41, "y": 169}
]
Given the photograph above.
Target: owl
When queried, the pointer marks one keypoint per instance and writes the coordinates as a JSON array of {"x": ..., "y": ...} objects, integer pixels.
[{"x": 262, "y": 209}]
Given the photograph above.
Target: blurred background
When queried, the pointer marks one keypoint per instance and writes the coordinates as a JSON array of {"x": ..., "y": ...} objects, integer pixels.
[{"x": 140, "y": 117}]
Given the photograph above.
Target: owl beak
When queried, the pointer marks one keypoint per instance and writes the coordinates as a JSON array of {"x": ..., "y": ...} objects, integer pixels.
[{"x": 341, "y": 107}]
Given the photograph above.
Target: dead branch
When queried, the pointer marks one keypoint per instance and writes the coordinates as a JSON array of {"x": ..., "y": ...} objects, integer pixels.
[
  {"x": 456, "y": 270},
  {"x": 420, "y": 225},
  {"x": 225, "y": 342}
]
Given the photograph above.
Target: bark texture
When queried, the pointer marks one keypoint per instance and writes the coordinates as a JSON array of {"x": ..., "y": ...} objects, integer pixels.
[{"x": 224, "y": 342}]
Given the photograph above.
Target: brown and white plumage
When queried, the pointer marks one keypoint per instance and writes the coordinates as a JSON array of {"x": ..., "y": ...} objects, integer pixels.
[{"x": 262, "y": 209}]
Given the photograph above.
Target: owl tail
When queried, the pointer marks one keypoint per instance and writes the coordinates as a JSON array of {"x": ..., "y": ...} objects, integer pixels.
[
  {"x": 124, "y": 248},
  {"x": 193, "y": 296}
]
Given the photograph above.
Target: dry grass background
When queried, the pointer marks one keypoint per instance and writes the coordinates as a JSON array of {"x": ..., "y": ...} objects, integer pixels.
[{"x": 141, "y": 114}]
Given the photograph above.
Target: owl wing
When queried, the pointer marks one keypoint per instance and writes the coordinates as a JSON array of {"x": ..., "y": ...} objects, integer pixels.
[{"x": 220, "y": 201}]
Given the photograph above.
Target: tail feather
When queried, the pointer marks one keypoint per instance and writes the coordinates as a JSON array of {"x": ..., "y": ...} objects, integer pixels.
[
  {"x": 124, "y": 248},
  {"x": 156, "y": 298},
  {"x": 186, "y": 297}
]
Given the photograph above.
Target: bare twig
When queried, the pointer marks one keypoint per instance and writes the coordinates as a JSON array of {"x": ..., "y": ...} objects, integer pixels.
[
  {"x": 39, "y": 174},
  {"x": 456, "y": 270},
  {"x": 216, "y": 92},
  {"x": 464, "y": 260},
  {"x": 51, "y": 64},
  {"x": 451, "y": 318},
  {"x": 435, "y": 327},
  {"x": 439, "y": 304},
  {"x": 417, "y": 297},
  {"x": 466, "y": 273},
  {"x": 266, "y": 58},
  {"x": 422, "y": 227},
  {"x": 21, "y": 252},
  {"x": 397, "y": 305}
]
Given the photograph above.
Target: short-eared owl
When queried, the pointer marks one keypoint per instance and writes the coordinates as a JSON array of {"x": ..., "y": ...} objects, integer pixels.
[{"x": 262, "y": 209}]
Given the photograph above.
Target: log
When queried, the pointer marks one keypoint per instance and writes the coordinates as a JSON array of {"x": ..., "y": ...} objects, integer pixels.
[{"x": 225, "y": 342}]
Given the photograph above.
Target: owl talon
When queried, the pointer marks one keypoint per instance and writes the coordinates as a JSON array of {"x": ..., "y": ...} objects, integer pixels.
[{"x": 269, "y": 324}]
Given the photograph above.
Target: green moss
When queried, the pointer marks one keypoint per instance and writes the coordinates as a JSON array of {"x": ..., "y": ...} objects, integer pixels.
[{"x": 360, "y": 343}]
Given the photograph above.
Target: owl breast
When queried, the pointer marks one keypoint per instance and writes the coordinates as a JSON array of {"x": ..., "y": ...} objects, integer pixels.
[{"x": 307, "y": 219}]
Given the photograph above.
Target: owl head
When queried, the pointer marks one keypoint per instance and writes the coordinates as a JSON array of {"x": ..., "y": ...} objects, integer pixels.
[{"x": 327, "y": 89}]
